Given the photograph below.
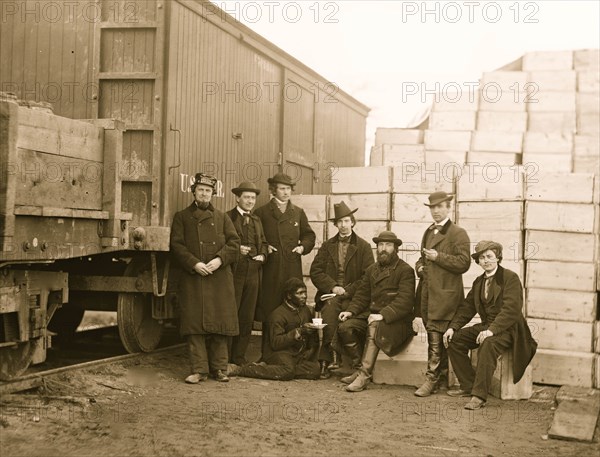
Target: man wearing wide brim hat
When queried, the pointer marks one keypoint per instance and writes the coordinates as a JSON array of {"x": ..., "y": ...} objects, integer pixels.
[
  {"x": 337, "y": 268},
  {"x": 497, "y": 295},
  {"x": 444, "y": 258},
  {"x": 248, "y": 269},
  {"x": 289, "y": 236},
  {"x": 387, "y": 293},
  {"x": 204, "y": 243}
]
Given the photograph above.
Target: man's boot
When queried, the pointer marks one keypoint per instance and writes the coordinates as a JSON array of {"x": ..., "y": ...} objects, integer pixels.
[
  {"x": 336, "y": 360},
  {"x": 434, "y": 360},
  {"x": 350, "y": 379},
  {"x": 426, "y": 389},
  {"x": 324, "y": 373},
  {"x": 355, "y": 354},
  {"x": 360, "y": 383}
]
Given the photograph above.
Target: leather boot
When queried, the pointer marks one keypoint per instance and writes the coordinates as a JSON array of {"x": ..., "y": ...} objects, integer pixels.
[
  {"x": 426, "y": 389},
  {"x": 354, "y": 352},
  {"x": 369, "y": 357},
  {"x": 325, "y": 373},
  {"x": 350, "y": 379},
  {"x": 360, "y": 383},
  {"x": 336, "y": 360}
]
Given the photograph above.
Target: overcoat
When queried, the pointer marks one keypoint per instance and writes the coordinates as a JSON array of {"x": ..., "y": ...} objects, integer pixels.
[
  {"x": 261, "y": 240},
  {"x": 441, "y": 290},
  {"x": 507, "y": 299},
  {"x": 207, "y": 302},
  {"x": 284, "y": 231}
]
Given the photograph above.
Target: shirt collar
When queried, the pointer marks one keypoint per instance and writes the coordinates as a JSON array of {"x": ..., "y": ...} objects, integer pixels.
[
  {"x": 279, "y": 202},
  {"x": 486, "y": 275},
  {"x": 442, "y": 223},
  {"x": 241, "y": 211}
]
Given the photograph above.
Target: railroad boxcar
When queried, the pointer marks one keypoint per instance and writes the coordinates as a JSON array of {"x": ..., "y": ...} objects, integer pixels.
[{"x": 144, "y": 95}]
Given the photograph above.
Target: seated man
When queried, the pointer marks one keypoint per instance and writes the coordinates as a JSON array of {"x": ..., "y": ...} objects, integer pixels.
[
  {"x": 497, "y": 296},
  {"x": 387, "y": 291},
  {"x": 292, "y": 346}
]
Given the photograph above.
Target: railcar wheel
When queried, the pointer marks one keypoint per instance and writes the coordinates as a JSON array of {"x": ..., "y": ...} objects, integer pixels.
[
  {"x": 14, "y": 360},
  {"x": 139, "y": 332}
]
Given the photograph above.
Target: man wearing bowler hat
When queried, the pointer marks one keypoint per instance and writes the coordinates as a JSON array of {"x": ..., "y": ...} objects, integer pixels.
[
  {"x": 204, "y": 243},
  {"x": 497, "y": 295},
  {"x": 444, "y": 259},
  {"x": 337, "y": 269},
  {"x": 387, "y": 293},
  {"x": 247, "y": 271},
  {"x": 289, "y": 236}
]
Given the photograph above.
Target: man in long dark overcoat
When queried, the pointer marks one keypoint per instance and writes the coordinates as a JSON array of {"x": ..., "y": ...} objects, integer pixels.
[
  {"x": 497, "y": 295},
  {"x": 205, "y": 244},
  {"x": 289, "y": 236},
  {"x": 338, "y": 267},
  {"x": 445, "y": 249}
]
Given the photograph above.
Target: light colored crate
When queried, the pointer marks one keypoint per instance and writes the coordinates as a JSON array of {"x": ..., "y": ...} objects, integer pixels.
[
  {"x": 548, "y": 163},
  {"x": 561, "y": 217},
  {"x": 498, "y": 121},
  {"x": 504, "y": 101},
  {"x": 588, "y": 102},
  {"x": 544, "y": 142},
  {"x": 586, "y": 59},
  {"x": 315, "y": 206},
  {"x": 562, "y": 335},
  {"x": 504, "y": 159},
  {"x": 463, "y": 101},
  {"x": 511, "y": 240},
  {"x": 361, "y": 180},
  {"x": 504, "y": 80},
  {"x": 397, "y": 154},
  {"x": 371, "y": 207},
  {"x": 452, "y": 120},
  {"x": 398, "y": 136},
  {"x": 551, "y": 101},
  {"x": 550, "y": 187},
  {"x": 561, "y": 246},
  {"x": 563, "y": 367},
  {"x": 553, "y": 122},
  {"x": 548, "y": 60},
  {"x": 370, "y": 229},
  {"x": 565, "y": 305},
  {"x": 588, "y": 123},
  {"x": 546, "y": 274},
  {"x": 411, "y": 234},
  {"x": 475, "y": 271},
  {"x": 311, "y": 290},
  {"x": 597, "y": 338},
  {"x": 502, "y": 385},
  {"x": 588, "y": 81},
  {"x": 445, "y": 160},
  {"x": 491, "y": 215},
  {"x": 586, "y": 145},
  {"x": 582, "y": 164},
  {"x": 441, "y": 140},
  {"x": 424, "y": 179},
  {"x": 490, "y": 182},
  {"x": 497, "y": 141},
  {"x": 319, "y": 229},
  {"x": 307, "y": 261},
  {"x": 410, "y": 208},
  {"x": 562, "y": 80}
]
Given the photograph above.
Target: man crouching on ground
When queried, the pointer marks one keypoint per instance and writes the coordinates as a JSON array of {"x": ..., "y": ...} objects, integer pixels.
[{"x": 292, "y": 345}]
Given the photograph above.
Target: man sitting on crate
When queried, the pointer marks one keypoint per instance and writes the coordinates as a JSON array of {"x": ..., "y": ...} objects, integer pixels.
[
  {"x": 497, "y": 295},
  {"x": 292, "y": 344},
  {"x": 387, "y": 291},
  {"x": 337, "y": 269}
]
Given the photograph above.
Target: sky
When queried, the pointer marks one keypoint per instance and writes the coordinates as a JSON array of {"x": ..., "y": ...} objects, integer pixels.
[{"x": 391, "y": 54}]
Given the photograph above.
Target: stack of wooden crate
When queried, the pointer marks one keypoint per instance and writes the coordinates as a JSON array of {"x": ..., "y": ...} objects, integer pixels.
[
  {"x": 562, "y": 253},
  {"x": 395, "y": 146}
]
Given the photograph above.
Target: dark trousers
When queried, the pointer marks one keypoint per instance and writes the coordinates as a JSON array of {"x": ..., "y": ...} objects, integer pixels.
[
  {"x": 477, "y": 381},
  {"x": 351, "y": 331},
  {"x": 208, "y": 353},
  {"x": 283, "y": 366},
  {"x": 246, "y": 282}
]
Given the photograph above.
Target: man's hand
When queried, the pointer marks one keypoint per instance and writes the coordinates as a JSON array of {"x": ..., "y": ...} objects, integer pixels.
[
  {"x": 344, "y": 315},
  {"x": 448, "y": 337},
  {"x": 202, "y": 269},
  {"x": 374, "y": 318},
  {"x": 338, "y": 290},
  {"x": 271, "y": 249},
  {"x": 214, "y": 264},
  {"x": 298, "y": 250},
  {"x": 244, "y": 250},
  {"x": 482, "y": 336},
  {"x": 430, "y": 254},
  {"x": 259, "y": 258}
]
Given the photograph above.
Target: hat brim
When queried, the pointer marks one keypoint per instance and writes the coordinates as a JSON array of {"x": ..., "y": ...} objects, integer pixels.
[
  {"x": 333, "y": 219},
  {"x": 441, "y": 200},
  {"x": 276, "y": 181},
  {"x": 377, "y": 240},
  {"x": 238, "y": 190}
]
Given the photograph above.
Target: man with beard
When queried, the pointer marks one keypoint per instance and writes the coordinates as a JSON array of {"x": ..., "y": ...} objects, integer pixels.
[
  {"x": 292, "y": 343},
  {"x": 204, "y": 243},
  {"x": 387, "y": 291}
]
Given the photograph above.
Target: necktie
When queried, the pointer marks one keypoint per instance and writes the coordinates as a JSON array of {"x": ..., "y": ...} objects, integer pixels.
[
  {"x": 344, "y": 239},
  {"x": 486, "y": 286},
  {"x": 437, "y": 228},
  {"x": 246, "y": 217}
]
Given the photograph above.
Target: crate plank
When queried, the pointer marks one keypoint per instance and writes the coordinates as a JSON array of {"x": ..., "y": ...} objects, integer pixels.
[
  {"x": 411, "y": 234},
  {"x": 586, "y": 59},
  {"x": 497, "y": 141},
  {"x": 548, "y": 163},
  {"x": 397, "y": 154},
  {"x": 445, "y": 140},
  {"x": 563, "y": 367},
  {"x": 561, "y": 217},
  {"x": 491, "y": 215},
  {"x": 551, "y": 101},
  {"x": 490, "y": 183},
  {"x": 315, "y": 206},
  {"x": 552, "y": 122},
  {"x": 547, "y": 274},
  {"x": 550, "y": 187},
  {"x": 423, "y": 179},
  {"x": 452, "y": 120},
  {"x": 588, "y": 81},
  {"x": 370, "y": 229},
  {"x": 561, "y": 80},
  {"x": 371, "y": 207},
  {"x": 459, "y": 101},
  {"x": 562, "y": 335},
  {"x": 561, "y": 246},
  {"x": 503, "y": 101},
  {"x": 505, "y": 80},
  {"x": 361, "y": 180},
  {"x": 498, "y": 121},
  {"x": 398, "y": 136},
  {"x": 548, "y": 60},
  {"x": 565, "y": 305},
  {"x": 588, "y": 123},
  {"x": 410, "y": 208},
  {"x": 542, "y": 142},
  {"x": 445, "y": 161}
]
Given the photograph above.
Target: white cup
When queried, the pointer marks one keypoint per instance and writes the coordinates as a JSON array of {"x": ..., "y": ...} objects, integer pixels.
[{"x": 317, "y": 321}]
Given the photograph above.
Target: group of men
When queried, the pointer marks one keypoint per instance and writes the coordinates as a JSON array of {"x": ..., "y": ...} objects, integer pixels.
[{"x": 245, "y": 265}]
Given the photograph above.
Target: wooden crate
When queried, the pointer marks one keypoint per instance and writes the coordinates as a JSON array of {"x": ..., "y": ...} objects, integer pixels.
[
  {"x": 315, "y": 206},
  {"x": 505, "y": 80},
  {"x": 490, "y": 183},
  {"x": 452, "y": 120},
  {"x": 588, "y": 102},
  {"x": 562, "y": 335},
  {"x": 307, "y": 261},
  {"x": 371, "y": 207},
  {"x": 397, "y": 154},
  {"x": 442, "y": 140},
  {"x": 424, "y": 179},
  {"x": 497, "y": 141},
  {"x": 563, "y": 367},
  {"x": 587, "y": 145},
  {"x": 541, "y": 142},
  {"x": 445, "y": 160},
  {"x": 565, "y": 305},
  {"x": 561, "y": 217},
  {"x": 551, "y": 101},
  {"x": 490, "y": 215},
  {"x": 561, "y": 246},
  {"x": 410, "y": 208},
  {"x": 552, "y": 122},
  {"x": 588, "y": 123},
  {"x": 464, "y": 101},
  {"x": 498, "y": 121},
  {"x": 398, "y": 136},
  {"x": 582, "y": 164},
  {"x": 588, "y": 81},
  {"x": 504, "y": 101},
  {"x": 370, "y": 229},
  {"x": 551, "y": 187},
  {"x": 597, "y": 337},
  {"x": 504, "y": 159},
  {"x": 547, "y": 163},
  {"x": 502, "y": 385},
  {"x": 411, "y": 234},
  {"x": 361, "y": 180},
  {"x": 311, "y": 290},
  {"x": 561, "y": 80},
  {"x": 548, "y": 60},
  {"x": 586, "y": 59},
  {"x": 546, "y": 274}
]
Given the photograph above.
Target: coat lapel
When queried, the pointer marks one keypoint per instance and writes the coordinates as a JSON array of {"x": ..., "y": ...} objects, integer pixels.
[{"x": 332, "y": 249}]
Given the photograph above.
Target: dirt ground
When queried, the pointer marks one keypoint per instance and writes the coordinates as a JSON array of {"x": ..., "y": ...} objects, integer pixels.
[{"x": 143, "y": 407}]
